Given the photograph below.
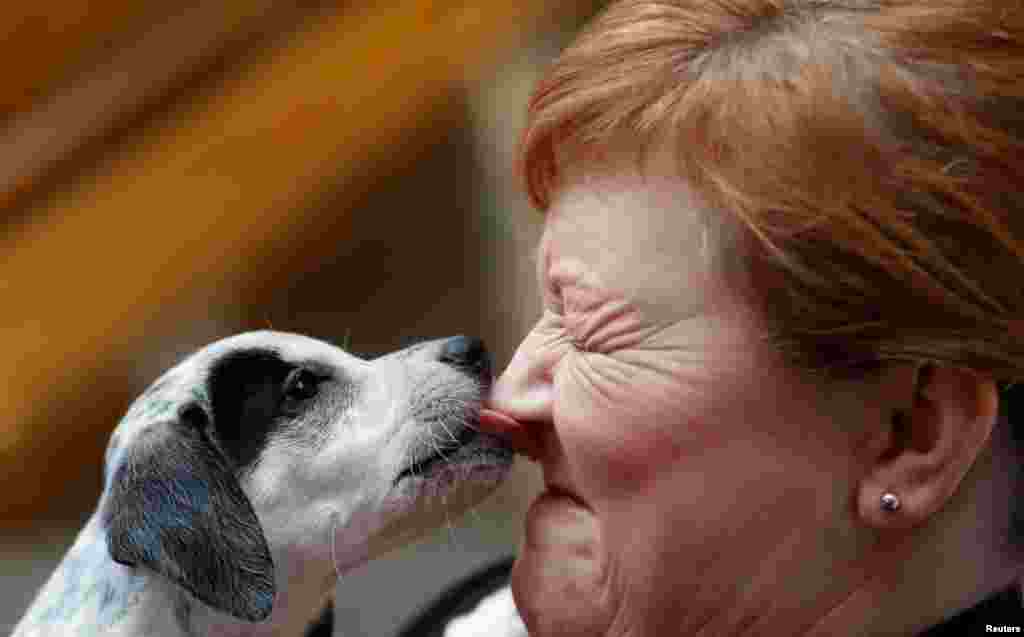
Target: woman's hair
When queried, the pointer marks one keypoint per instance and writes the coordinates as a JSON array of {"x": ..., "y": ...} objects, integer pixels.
[{"x": 869, "y": 152}]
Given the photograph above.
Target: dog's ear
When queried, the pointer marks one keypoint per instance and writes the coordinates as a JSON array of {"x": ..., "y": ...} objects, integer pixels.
[{"x": 176, "y": 507}]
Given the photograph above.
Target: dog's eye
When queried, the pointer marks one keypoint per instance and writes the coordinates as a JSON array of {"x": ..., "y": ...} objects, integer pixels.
[{"x": 301, "y": 384}]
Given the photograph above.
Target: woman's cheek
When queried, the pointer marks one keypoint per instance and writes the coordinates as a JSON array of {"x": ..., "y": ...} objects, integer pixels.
[{"x": 624, "y": 426}]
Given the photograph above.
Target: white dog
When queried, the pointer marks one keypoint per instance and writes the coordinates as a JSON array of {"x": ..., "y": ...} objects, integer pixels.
[{"x": 245, "y": 480}]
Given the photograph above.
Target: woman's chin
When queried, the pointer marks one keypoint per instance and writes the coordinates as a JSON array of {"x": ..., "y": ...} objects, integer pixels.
[{"x": 560, "y": 577}]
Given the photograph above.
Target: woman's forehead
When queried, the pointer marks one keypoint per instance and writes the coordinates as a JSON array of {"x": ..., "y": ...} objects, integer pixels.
[{"x": 639, "y": 234}]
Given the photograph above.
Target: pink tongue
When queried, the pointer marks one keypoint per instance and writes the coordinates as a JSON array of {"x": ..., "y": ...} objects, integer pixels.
[
  {"x": 516, "y": 433},
  {"x": 496, "y": 422}
]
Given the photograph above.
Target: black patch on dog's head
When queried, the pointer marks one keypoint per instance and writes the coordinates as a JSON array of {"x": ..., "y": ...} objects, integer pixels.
[
  {"x": 246, "y": 389},
  {"x": 254, "y": 393}
]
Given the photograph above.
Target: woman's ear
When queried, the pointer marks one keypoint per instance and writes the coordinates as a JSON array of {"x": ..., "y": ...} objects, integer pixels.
[{"x": 941, "y": 418}]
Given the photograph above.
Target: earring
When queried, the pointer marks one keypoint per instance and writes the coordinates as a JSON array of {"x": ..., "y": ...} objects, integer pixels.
[{"x": 890, "y": 502}]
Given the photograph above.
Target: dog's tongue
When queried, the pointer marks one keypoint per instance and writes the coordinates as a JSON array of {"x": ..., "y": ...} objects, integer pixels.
[
  {"x": 496, "y": 422},
  {"x": 514, "y": 432}
]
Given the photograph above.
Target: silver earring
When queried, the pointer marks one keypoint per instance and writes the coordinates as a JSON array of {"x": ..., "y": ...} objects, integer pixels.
[{"x": 890, "y": 502}]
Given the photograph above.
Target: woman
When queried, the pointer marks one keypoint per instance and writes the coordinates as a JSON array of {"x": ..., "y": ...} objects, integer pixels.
[{"x": 781, "y": 276}]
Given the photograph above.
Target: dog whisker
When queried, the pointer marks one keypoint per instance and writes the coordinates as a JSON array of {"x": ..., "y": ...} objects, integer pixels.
[
  {"x": 477, "y": 519},
  {"x": 334, "y": 541},
  {"x": 449, "y": 432},
  {"x": 450, "y": 530}
]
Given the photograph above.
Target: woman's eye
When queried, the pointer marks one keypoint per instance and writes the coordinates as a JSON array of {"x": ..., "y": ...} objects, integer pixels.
[{"x": 301, "y": 384}]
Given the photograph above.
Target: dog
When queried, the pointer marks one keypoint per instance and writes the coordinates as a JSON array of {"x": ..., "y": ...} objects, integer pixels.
[{"x": 246, "y": 479}]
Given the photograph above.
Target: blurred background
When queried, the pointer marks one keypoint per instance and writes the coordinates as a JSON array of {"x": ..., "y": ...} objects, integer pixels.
[{"x": 173, "y": 173}]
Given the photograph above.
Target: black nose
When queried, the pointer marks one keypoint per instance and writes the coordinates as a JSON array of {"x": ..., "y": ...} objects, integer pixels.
[{"x": 469, "y": 354}]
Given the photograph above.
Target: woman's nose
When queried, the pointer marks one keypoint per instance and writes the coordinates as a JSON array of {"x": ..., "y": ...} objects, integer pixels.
[
  {"x": 520, "y": 408},
  {"x": 524, "y": 391}
]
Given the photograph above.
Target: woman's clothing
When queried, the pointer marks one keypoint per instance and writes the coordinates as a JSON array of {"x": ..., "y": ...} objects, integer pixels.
[{"x": 1002, "y": 610}]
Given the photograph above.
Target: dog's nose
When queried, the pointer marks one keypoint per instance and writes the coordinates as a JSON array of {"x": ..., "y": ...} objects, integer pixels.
[{"x": 467, "y": 353}]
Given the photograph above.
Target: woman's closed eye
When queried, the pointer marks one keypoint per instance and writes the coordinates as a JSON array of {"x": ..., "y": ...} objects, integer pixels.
[
  {"x": 565, "y": 326},
  {"x": 604, "y": 326},
  {"x": 590, "y": 317}
]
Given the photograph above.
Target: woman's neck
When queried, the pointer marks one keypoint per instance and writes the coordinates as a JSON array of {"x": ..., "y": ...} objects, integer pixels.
[{"x": 960, "y": 558}]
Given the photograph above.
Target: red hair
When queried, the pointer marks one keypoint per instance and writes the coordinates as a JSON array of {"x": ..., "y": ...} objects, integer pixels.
[{"x": 871, "y": 153}]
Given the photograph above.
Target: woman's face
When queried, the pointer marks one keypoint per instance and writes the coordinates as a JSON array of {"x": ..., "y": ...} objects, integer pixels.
[{"x": 685, "y": 463}]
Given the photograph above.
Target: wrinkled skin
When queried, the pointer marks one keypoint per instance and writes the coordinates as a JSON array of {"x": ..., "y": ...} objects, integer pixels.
[{"x": 686, "y": 464}]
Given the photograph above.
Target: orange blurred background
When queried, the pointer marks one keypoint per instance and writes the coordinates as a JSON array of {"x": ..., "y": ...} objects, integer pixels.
[{"x": 175, "y": 174}]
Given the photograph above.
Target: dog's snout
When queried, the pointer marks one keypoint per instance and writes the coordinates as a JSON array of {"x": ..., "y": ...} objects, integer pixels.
[{"x": 468, "y": 353}]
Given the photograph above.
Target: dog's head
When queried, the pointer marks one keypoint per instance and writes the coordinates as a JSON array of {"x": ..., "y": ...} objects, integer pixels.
[{"x": 267, "y": 445}]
